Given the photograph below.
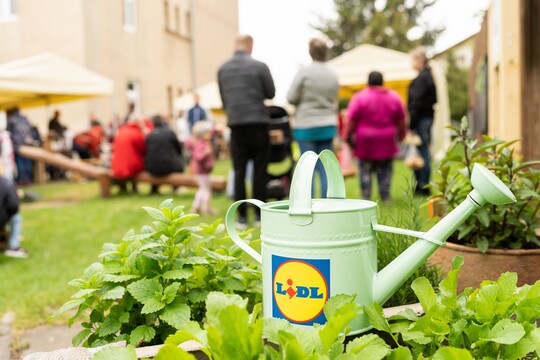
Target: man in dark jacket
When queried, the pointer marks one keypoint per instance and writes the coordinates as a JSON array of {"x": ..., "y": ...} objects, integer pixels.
[
  {"x": 21, "y": 134},
  {"x": 421, "y": 98},
  {"x": 9, "y": 214},
  {"x": 244, "y": 84},
  {"x": 196, "y": 113},
  {"x": 163, "y": 151}
]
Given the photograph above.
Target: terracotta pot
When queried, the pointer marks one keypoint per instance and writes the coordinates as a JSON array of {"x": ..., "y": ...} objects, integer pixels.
[{"x": 488, "y": 266}]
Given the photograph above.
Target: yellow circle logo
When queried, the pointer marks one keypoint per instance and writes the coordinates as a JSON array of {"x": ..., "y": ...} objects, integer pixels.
[{"x": 300, "y": 289}]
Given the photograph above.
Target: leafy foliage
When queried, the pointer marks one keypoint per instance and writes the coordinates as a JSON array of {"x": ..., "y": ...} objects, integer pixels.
[
  {"x": 496, "y": 321},
  {"x": 390, "y": 246},
  {"x": 457, "y": 80},
  {"x": 151, "y": 283},
  {"x": 383, "y": 23},
  {"x": 509, "y": 226},
  {"x": 231, "y": 332}
]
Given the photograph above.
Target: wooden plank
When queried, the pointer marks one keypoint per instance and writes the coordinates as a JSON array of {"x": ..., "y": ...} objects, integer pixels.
[
  {"x": 61, "y": 161},
  {"x": 530, "y": 77},
  {"x": 42, "y": 156},
  {"x": 218, "y": 183}
]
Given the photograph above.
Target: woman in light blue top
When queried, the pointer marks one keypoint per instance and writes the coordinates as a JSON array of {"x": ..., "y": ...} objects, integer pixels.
[{"x": 314, "y": 93}]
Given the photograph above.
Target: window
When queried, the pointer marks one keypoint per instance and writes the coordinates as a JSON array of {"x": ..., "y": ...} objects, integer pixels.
[
  {"x": 166, "y": 14},
  {"x": 7, "y": 10},
  {"x": 177, "y": 19},
  {"x": 188, "y": 23},
  {"x": 130, "y": 15}
]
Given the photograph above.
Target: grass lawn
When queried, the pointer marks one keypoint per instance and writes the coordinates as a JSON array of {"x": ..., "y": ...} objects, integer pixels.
[{"x": 65, "y": 230}]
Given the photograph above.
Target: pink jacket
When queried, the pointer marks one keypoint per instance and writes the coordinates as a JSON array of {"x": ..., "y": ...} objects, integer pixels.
[
  {"x": 377, "y": 119},
  {"x": 202, "y": 158}
]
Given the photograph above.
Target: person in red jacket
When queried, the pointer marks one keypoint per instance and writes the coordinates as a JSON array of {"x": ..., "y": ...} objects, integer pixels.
[
  {"x": 129, "y": 149},
  {"x": 87, "y": 144}
]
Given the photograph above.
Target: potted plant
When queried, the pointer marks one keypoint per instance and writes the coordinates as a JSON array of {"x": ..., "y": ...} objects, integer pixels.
[{"x": 494, "y": 239}]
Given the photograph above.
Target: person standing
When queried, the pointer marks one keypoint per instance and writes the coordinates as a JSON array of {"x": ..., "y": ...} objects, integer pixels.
[
  {"x": 163, "y": 151},
  {"x": 9, "y": 199},
  {"x": 196, "y": 113},
  {"x": 314, "y": 93},
  {"x": 244, "y": 84},
  {"x": 376, "y": 122},
  {"x": 20, "y": 130},
  {"x": 129, "y": 149},
  {"x": 7, "y": 155},
  {"x": 56, "y": 128},
  {"x": 10, "y": 215},
  {"x": 422, "y": 95}
]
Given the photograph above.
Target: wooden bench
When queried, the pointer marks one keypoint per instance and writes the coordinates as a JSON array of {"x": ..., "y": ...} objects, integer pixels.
[
  {"x": 42, "y": 156},
  {"x": 218, "y": 183},
  {"x": 104, "y": 175}
]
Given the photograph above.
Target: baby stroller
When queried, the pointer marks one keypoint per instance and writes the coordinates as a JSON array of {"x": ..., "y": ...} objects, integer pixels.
[{"x": 281, "y": 164}]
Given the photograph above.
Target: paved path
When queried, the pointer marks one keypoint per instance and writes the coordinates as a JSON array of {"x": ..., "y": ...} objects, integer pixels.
[{"x": 41, "y": 338}]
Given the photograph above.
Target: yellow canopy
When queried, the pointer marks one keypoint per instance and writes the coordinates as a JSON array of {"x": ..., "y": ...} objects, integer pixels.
[
  {"x": 47, "y": 79},
  {"x": 354, "y": 66}
]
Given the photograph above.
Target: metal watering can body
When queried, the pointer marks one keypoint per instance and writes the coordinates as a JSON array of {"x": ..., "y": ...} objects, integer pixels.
[{"x": 313, "y": 249}]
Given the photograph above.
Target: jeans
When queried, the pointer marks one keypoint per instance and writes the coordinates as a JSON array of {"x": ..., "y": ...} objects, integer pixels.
[
  {"x": 250, "y": 142},
  {"x": 24, "y": 170},
  {"x": 317, "y": 146},
  {"x": 423, "y": 129},
  {"x": 15, "y": 224},
  {"x": 383, "y": 169}
]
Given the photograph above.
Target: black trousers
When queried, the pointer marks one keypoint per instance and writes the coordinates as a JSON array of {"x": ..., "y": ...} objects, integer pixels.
[{"x": 250, "y": 142}]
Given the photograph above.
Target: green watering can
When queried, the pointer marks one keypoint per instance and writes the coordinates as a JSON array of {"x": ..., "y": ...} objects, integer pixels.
[{"x": 313, "y": 249}]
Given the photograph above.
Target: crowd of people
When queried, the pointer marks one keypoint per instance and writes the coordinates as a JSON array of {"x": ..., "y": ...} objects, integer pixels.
[
  {"x": 138, "y": 144},
  {"x": 375, "y": 121}
]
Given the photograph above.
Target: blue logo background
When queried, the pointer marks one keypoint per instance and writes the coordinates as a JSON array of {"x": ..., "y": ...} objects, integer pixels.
[{"x": 323, "y": 265}]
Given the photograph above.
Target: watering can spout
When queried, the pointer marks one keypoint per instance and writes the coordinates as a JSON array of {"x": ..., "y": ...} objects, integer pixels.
[{"x": 486, "y": 188}]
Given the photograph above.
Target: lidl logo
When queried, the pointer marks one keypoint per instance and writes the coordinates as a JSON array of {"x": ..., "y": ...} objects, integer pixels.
[{"x": 300, "y": 288}]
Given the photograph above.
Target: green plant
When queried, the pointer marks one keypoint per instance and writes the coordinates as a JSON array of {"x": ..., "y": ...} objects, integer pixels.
[
  {"x": 457, "y": 80},
  {"x": 510, "y": 226},
  {"x": 496, "y": 321},
  {"x": 230, "y": 332},
  {"x": 150, "y": 283},
  {"x": 390, "y": 246}
]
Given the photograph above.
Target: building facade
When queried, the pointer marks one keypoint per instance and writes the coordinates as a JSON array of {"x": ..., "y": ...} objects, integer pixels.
[
  {"x": 506, "y": 75},
  {"x": 154, "y": 51}
]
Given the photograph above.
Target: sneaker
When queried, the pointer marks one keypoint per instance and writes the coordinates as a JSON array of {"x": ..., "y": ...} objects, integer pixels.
[
  {"x": 16, "y": 253},
  {"x": 241, "y": 223}
]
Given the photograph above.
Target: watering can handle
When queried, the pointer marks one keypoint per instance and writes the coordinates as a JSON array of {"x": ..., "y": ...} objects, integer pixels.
[
  {"x": 300, "y": 193},
  {"x": 229, "y": 224}
]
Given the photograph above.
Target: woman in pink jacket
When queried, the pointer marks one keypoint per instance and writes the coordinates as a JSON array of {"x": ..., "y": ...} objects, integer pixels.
[{"x": 376, "y": 123}]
